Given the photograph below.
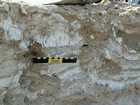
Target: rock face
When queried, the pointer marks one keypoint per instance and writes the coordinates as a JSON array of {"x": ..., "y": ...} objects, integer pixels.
[
  {"x": 104, "y": 38},
  {"x": 74, "y": 2}
]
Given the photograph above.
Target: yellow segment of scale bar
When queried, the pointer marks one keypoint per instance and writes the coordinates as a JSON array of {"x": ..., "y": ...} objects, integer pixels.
[{"x": 55, "y": 60}]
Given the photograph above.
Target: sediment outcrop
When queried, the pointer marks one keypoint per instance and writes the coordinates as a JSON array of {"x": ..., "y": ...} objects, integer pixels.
[{"x": 105, "y": 38}]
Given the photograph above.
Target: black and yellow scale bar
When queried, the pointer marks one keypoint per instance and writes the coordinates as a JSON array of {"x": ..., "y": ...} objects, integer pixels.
[{"x": 54, "y": 59}]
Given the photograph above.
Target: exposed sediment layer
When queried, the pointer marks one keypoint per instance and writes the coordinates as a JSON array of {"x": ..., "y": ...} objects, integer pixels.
[{"x": 104, "y": 38}]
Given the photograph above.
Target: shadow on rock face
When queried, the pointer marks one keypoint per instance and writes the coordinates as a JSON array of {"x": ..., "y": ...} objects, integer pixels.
[
  {"x": 34, "y": 51},
  {"x": 75, "y": 2}
]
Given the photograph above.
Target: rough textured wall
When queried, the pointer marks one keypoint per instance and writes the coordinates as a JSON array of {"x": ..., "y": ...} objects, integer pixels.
[{"x": 104, "y": 38}]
